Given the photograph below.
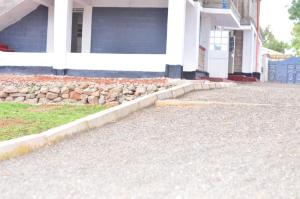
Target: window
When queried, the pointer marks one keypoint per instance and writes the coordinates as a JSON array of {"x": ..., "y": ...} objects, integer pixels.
[{"x": 219, "y": 40}]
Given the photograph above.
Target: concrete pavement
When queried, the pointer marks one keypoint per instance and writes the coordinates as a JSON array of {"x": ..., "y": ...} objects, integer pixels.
[{"x": 209, "y": 151}]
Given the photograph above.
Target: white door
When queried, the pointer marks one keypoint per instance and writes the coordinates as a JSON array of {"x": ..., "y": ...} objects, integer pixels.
[{"x": 218, "y": 54}]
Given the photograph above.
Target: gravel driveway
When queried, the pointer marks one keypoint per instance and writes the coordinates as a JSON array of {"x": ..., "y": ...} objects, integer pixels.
[{"x": 209, "y": 151}]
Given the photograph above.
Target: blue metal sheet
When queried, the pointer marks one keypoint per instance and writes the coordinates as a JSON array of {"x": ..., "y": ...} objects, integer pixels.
[
  {"x": 129, "y": 30},
  {"x": 29, "y": 34},
  {"x": 286, "y": 71}
]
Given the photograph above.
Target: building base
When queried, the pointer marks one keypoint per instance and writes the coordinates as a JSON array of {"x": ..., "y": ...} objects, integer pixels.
[
  {"x": 174, "y": 71},
  {"x": 195, "y": 75}
]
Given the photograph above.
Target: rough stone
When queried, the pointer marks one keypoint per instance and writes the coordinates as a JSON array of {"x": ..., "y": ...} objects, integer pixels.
[
  {"x": 51, "y": 96},
  {"x": 31, "y": 101},
  {"x": 30, "y": 96},
  {"x": 19, "y": 99},
  {"x": 75, "y": 96},
  {"x": 17, "y": 95},
  {"x": 152, "y": 88},
  {"x": 111, "y": 104},
  {"x": 11, "y": 89},
  {"x": 96, "y": 94},
  {"x": 84, "y": 98},
  {"x": 44, "y": 90},
  {"x": 59, "y": 99},
  {"x": 89, "y": 91},
  {"x": 41, "y": 95},
  {"x": 102, "y": 100},
  {"x": 54, "y": 90},
  {"x": 78, "y": 90},
  {"x": 65, "y": 96},
  {"x": 93, "y": 100},
  {"x": 24, "y": 90},
  {"x": 65, "y": 90},
  {"x": 84, "y": 85},
  {"x": 3, "y": 94},
  {"x": 9, "y": 99},
  {"x": 140, "y": 90},
  {"x": 126, "y": 91}
]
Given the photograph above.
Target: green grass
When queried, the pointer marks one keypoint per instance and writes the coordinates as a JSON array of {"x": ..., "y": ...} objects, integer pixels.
[{"x": 18, "y": 120}]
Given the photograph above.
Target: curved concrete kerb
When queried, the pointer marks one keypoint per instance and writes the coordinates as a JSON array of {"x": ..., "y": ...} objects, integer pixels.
[{"x": 27, "y": 144}]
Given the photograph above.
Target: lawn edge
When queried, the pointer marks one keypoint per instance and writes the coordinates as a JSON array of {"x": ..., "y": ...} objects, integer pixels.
[{"x": 27, "y": 144}]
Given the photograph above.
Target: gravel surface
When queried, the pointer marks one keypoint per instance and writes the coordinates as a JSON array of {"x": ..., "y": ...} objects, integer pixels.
[{"x": 210, "y": 151}]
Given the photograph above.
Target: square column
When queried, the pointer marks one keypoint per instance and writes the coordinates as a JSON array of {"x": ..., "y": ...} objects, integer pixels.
[
  {"x": 192, "y": 39},
  {"x": 249, "y": 49},
  {"x": 62, "y": 31},
  {"x": 50, "y": 30},
  {"x": 175, "y": 38},
  {"x": 87, "y": 29}
]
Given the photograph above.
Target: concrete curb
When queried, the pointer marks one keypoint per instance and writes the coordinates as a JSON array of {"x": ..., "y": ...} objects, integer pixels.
[{"x": 27, "y": 144}]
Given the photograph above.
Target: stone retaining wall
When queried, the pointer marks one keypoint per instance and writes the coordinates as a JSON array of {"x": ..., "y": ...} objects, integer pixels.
[{"x": 76, "y": 92}]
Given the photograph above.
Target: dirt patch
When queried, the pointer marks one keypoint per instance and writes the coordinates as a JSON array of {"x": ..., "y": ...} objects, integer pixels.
[
  {"x": 11, "y": 122},
  {"x": 44, "y": 108}
]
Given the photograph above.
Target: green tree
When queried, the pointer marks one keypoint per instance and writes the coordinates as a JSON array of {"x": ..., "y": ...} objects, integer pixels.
[
  {"x": 296, "y": 39},
  {"x": 270, "y": 41},
  {"x": 294, "y": 11}
]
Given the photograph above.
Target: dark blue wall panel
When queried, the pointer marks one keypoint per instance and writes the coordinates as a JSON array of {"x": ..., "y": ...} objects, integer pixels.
[
  {"x": 29, "y": 34},
  {"x": 129, "y": 30}
]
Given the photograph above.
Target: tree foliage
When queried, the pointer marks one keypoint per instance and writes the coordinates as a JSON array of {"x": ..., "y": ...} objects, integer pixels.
[
  {"x": 294, "y": 12},
  {"x": 296, "y": 39},
  {"x": 269, "y": 41}
]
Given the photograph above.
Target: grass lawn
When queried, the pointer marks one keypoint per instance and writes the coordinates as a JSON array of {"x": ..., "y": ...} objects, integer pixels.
[{"x": 18, "y": 120}]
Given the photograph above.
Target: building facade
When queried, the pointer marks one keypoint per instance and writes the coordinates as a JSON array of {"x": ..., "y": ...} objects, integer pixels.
[{"x": 130, "y": 38}]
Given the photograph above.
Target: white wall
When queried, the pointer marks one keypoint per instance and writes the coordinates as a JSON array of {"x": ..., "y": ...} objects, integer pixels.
[
  {"x": 26, "y": 59},
  {"x": 89, "y": 61},
  {"x": 121, "y": 62},
  {"x": 206, "y": 27}
]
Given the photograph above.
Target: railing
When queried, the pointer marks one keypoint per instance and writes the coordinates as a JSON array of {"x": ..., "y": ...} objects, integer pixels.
[{"x": 223, "y": 4}]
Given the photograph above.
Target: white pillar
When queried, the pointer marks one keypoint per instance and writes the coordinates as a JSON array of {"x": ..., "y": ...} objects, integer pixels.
[
  {"x": 176, "y": 32},
  {"x": 62, "y": 31},
  {"x": 192, "y": 39},
  {"x": 248, "y": 51},
  {"x": 87, "y": 29},
  {"x": 50, "y": 30}
]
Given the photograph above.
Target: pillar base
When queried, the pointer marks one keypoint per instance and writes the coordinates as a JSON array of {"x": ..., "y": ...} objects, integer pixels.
[
  {"x": 174, "y": 71},
  {"x": 194, "y": 75}
]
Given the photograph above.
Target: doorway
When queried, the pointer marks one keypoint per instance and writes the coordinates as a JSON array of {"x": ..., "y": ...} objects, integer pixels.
[
  {"x": 77, "y": 21},
  {"x": 218, "y": 55}
]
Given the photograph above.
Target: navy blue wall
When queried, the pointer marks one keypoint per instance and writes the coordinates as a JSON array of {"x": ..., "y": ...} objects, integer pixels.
[
  {"x": 29, "y": 34},
  {"x": 129, "y": 30}
]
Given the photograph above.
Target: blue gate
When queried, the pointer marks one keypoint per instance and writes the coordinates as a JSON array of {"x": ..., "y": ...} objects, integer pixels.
[{"x": 286, "y": 71}]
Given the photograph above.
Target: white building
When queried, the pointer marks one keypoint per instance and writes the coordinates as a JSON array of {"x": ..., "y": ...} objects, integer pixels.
[{"x": 127, "y": 38}]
